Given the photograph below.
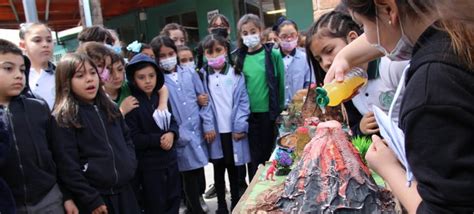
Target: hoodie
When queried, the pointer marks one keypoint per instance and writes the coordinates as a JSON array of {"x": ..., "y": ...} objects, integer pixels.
[{"x": 145, "y": 132}]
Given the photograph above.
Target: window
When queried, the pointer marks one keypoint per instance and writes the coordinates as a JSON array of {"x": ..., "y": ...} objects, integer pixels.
[
  {"x": 189, "y": 22},
  {"x": 268, "y": 10}
]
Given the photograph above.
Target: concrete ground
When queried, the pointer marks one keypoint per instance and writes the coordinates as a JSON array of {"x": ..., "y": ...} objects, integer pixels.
[{"x": 212, "y": 203}]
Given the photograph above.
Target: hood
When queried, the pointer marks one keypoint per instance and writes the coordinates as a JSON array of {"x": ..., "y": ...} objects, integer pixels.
[{"x": 133, "y": 66}]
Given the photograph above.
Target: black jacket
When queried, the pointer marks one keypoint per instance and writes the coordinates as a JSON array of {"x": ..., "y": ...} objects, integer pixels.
[
  {"x": 437, "y": 117},
  {"x": 96, "y": 159},
  {"x": 29, "y": 169},
  {"x": 146, "y": 134},
  {"x": 7, "y": 203}
]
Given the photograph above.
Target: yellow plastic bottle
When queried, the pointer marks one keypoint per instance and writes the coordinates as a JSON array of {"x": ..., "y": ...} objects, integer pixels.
[{"x": 337, "y": 92}]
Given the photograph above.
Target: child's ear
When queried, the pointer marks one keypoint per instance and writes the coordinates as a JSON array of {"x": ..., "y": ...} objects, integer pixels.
[
  {"x": 22, "y": 44},
  {"x": 351, "y": 36}
]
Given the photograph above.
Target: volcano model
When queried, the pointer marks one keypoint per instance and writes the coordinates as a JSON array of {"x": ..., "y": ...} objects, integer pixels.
[{"x": 330, "y": 177}]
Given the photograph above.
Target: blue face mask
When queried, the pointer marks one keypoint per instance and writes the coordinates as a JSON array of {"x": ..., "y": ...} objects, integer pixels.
[{"x": 402, "y": 50}]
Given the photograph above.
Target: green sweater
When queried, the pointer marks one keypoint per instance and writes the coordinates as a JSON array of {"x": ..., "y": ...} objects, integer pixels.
[
  {"x": 256, "y": 79},
  {"x": 124, "y": 92}
]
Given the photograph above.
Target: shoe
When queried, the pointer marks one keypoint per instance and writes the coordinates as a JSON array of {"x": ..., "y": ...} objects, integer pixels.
[
  {"x": 204, "y": 206},
  {"x": 211, "y": 193}
]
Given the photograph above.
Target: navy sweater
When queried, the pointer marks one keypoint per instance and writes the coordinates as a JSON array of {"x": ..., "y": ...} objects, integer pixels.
[{"x": 97, "y": 159}]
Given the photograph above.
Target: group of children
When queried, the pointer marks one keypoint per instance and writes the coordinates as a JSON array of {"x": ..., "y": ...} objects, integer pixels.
[{"x": 102, "y": 135}]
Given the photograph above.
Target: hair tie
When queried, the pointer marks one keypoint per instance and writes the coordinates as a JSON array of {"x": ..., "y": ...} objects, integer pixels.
[{"x": 135, "y": 46}]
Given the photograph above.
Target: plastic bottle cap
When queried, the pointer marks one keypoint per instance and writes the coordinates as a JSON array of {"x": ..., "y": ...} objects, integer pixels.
[{"x": 322, "y": 99}]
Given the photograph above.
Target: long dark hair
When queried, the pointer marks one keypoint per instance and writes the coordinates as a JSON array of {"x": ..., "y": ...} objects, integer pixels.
[
  {"x": 334, "y": 24},
  {"x": 66, "y": 106},
  {"x": 208, "y": 43},
  {"x": 159, "y": 42}
]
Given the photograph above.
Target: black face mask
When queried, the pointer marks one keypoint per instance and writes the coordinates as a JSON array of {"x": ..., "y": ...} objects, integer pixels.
[{"x": 220, "y": 32}]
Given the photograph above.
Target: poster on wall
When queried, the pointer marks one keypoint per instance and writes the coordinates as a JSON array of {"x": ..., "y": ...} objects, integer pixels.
[{"x": 211, "y": 14}]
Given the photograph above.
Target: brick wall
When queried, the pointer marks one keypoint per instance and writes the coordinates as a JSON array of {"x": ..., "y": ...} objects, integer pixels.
[{"x": 323, "y": 6}]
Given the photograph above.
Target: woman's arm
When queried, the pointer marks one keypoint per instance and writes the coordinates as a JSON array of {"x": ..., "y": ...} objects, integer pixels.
[
  {"x": 356, "y": 53},
  {"x": 163, "y": 94}
]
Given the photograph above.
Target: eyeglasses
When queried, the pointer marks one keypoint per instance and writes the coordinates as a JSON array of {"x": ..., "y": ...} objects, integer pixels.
[{"x": 288, "y": 37}]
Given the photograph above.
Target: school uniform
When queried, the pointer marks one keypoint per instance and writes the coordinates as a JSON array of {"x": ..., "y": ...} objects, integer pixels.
[
  {"x": 230, "y": 104},
  {"x": 43, "y": 83},
  {"x": 264, "y": 75},
  {"x": 184, "y": 86},
  {"x": 96, "y": 162},
  {"x": 29, "y": 169},
  {"x": 297, "y": 73},
  {"x": 157, "y": 171}
]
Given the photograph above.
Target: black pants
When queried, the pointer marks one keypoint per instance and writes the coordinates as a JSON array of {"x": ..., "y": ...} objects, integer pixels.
[
  {"x": 122, "y": 203},
  {"x": 220, "y": 166},
  {"x": 192, "y": 189},
  {"x": 262, "y": 133},
  {"x": 161, "y": 189}
]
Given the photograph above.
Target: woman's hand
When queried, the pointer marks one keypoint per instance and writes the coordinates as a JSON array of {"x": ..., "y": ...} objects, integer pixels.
[
  {"x": 368, "y": 124},
  {"x": 339, "y": 67},
  {"x": 203, "y": 100},
  {"x": 128, "y": 104},
  {"x": 380, "y": 157}
]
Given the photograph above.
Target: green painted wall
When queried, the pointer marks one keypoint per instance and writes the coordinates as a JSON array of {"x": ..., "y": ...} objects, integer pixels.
[{"x": 300, "y": 11}]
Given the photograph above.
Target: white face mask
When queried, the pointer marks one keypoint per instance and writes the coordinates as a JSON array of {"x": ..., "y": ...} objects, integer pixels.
[
  {"x": 251, "y": 41},
  {"x": 402, "y": 50},
  {"x": 169, "y": 63},
  {"x": 189, "y": 65}
]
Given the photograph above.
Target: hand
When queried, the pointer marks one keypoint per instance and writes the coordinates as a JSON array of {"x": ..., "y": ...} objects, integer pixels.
[
  {"x": 128, "y": 104},
  {"x": 368, "y": 124},
  {"x": 203, "y": 100},
  {"x": 338, "y": 69},
  {"x": 210, "y": 136},
  {"x": 100, "y": 210},
  {"x": 70, "y": 207},
  {"x": 380, "y": 157},
  {"x": 167, "y": 141},
  {"x": 238, "y": 136}
]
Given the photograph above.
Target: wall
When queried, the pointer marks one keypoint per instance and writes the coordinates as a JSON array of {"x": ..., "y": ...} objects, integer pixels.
[
  {"x": 301, "y": 12},
  {"x": 323, "y": 6}
]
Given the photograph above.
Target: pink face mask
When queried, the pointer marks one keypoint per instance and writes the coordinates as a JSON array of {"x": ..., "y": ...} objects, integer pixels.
[
  {"x": 288, "y": 46},
  {"x": 217, "y": 62},
  {"x": 105, "y": 75}
]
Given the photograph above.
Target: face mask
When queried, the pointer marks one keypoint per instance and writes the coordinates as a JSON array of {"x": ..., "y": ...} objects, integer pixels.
[
  {"x": 169, "y": 63},
  {"x": 220, "y": 32},
  {"x": 189, "y": 65},
  {"x": 217, "y": 62},
  {"x": 288, "y": 46},
  {"x": 251, "y": 41},
  {"x": 402, "y": 50},
  {"x": 105, "y": 75}
]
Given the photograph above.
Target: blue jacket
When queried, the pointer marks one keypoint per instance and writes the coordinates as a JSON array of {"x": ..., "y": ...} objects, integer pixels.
[
  {"x": 297, "y": 75},
  {"x": 192, "y": 119},
  {"x": 240, "y": 114}
]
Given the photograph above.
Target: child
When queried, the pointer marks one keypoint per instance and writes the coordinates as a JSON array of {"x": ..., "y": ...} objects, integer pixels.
[
  {"x": 92, "y": 145},
  {"x": 185, "y": 86},
  {"x": 297, "y": 72},
  {"x": 186, "y": 58},
  {"x": 176, "y": 32},
  {"x": 230, "y": 104},
  {"x": 102, "y": 57},
  {"x": 332, "y": 32},
  {"x": 136, "y": 47},
  {"x": 155, "y": 145},
  {"x": 270, "y": 38},
  {"x": 264, "y": 72},
  {"x": 37, "y": 42},
  {"x": 28, "y": 168},
  {"x": 96, "y": 34}
]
